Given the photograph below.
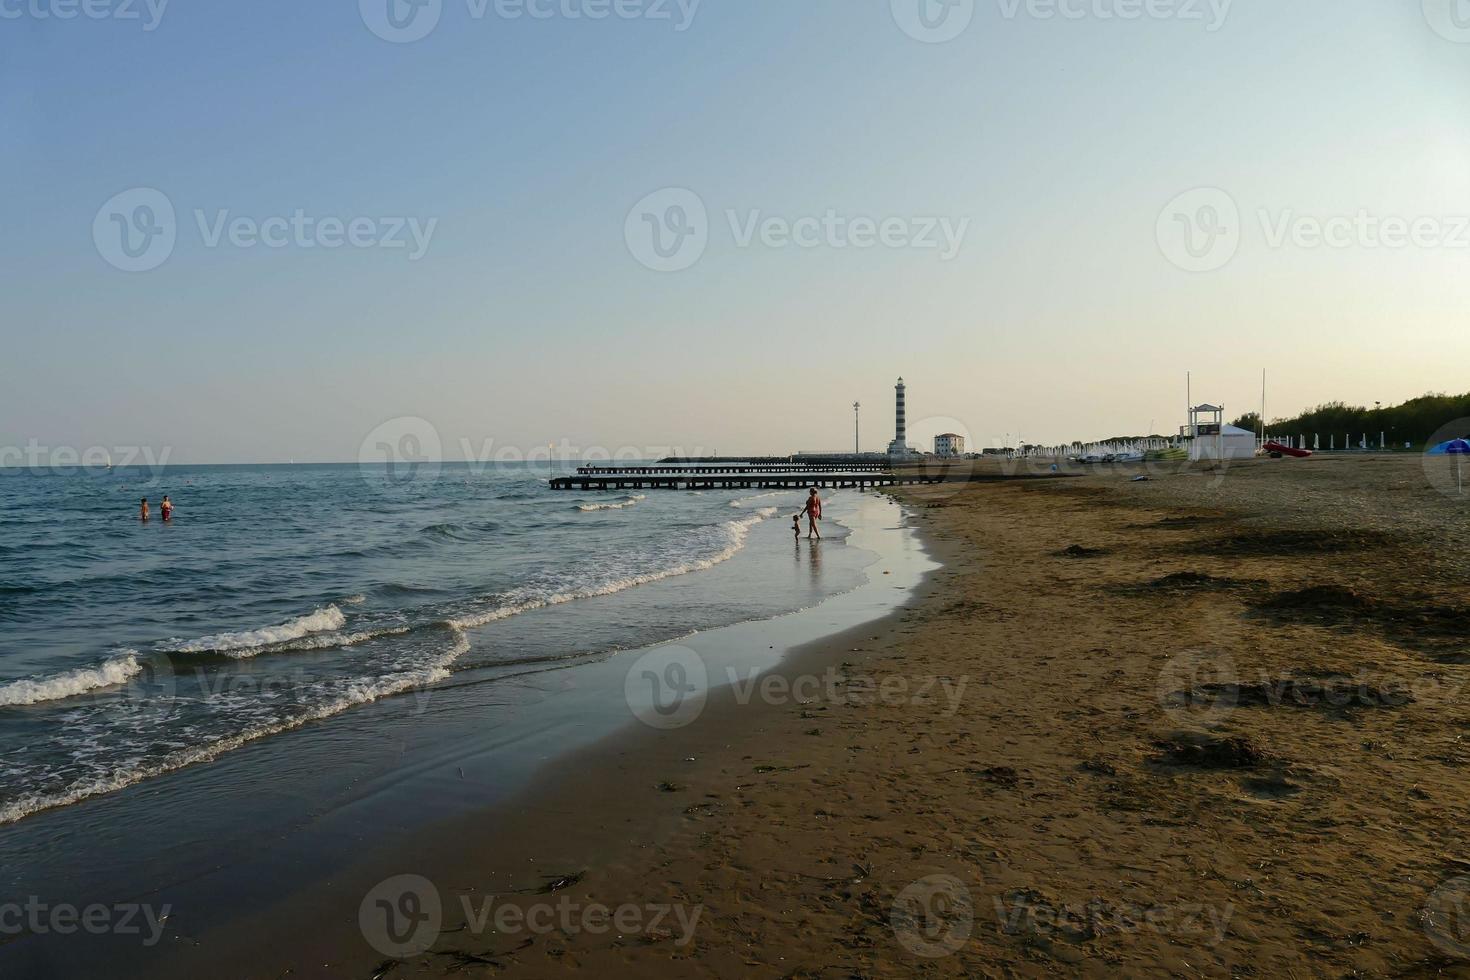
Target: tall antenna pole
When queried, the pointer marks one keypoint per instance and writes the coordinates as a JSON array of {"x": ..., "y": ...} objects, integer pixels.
[
  {"x": 857, "y": 432},
  {"x": 1263, "y": 406}
]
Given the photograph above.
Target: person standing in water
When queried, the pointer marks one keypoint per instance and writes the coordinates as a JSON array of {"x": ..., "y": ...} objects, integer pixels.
[
  {"x": 167, "y": 508},
  {"x": 143, "y": 510},
  {"x": 813, "y": 512}
]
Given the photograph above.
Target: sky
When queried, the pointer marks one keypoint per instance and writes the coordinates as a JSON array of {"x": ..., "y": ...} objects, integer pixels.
[{"x": 288, "y": 231}]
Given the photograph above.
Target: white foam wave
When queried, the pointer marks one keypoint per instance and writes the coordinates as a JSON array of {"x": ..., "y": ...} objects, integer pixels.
[
  {"x": 362, "y": 691},
  {"x": 247, "y": 643},
  {"x": 73, "y": 682},
  {"x": 330, "y": 641},
  {"x": 630, "y": 502},
  {"x": 734, "y": 531},
  {"x": 747, "y": 501}
]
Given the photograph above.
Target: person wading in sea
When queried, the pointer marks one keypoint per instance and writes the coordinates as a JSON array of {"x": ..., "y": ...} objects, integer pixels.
[{"x": 813, "y": 512}]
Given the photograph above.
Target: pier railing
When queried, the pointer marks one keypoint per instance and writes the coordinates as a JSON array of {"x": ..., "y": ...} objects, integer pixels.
[
  {"x": 742, "y": 478},
  {"x": 702, "y": 469}
]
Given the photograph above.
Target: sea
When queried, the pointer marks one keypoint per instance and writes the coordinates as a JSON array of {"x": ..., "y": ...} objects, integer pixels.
[{"x": 287, "y": 596}]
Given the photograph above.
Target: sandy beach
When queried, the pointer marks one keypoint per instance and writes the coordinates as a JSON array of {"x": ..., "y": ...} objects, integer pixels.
[
  {"x": 1208, "y": 724},
  {"x": 421, "y": 415}
]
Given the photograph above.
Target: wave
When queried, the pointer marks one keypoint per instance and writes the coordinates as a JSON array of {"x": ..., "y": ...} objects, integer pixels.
[
  {"x": 443, "y": 530},
  {"x": 331, "y": 641},
  {"x": 453, "y": 532},
  {"x": 73, "y": 682},
  {"x": 746, "y": 501},
  {"x": 630, "y": 502},
  {"x": 735, "y": 533},
  {"x": 362, "y": 691},
  {"x": 520, "y": 494},
  {"x": 247, "y": 643},
  {"x": 394, "y": 589}
]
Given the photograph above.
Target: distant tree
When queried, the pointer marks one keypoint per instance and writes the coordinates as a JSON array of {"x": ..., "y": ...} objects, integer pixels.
[
  {"x": 1415, "y": 421},
  {"x": 1250, "y": 421}
]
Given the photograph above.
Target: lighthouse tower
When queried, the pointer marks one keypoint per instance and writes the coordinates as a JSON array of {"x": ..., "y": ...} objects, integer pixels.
[{"x": 899, "y": 446}]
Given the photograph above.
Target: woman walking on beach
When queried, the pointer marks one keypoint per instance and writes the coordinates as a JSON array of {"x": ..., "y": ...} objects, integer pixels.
[{"x": 813, "y": 512}]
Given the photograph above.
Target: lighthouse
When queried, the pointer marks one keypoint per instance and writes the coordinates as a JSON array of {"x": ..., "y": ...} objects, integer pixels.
[{"x": 900, "y": 445}]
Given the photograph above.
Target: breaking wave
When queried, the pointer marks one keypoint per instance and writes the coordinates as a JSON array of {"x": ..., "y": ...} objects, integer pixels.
[
  {"x": 72, "y": 683},
  {"x": 247, "y": 643},
  {"x": 357, "y": 692},
  {"x": 747, "y": 501},
  {"x": 630, "y": 502}
]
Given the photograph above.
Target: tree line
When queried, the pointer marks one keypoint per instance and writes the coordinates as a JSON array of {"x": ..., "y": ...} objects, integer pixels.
[{"x": 1415, "y": 421}]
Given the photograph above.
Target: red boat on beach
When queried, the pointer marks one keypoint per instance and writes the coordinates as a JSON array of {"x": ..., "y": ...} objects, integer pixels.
[{"x": 1276, "y": 448}]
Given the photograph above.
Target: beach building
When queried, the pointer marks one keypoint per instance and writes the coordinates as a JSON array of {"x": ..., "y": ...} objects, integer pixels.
[
  {"x": 1212, "y": 438},
  {"x": 949, "y": 444}
]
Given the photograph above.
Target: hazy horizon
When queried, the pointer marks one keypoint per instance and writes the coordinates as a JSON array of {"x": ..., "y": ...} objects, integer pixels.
[{"x": 714, "y": 226}]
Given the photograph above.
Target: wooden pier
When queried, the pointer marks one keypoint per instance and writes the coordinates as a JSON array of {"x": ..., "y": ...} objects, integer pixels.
[
  {"x": 754, "y": 476},
  {"x": 702, "y": 469}
]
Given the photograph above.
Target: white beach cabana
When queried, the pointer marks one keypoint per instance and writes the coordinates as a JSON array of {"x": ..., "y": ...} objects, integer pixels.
[
  {"x": 1216, "y": 439},
  {"x": 1230, "y": 442}
]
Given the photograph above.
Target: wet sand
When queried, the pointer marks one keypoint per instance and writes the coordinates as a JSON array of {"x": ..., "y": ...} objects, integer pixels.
[
  {"x": 579, "y": 811},
  {"x": 1209, "y": 724}
]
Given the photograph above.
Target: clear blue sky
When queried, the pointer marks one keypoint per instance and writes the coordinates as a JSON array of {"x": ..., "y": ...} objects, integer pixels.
[{"x": 529, "y": 319}]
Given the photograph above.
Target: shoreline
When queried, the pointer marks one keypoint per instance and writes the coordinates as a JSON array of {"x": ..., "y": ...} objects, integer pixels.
[
  {"x": 1074, "y": 815},
  {"x": 218, "y": 842},
  {"x": 313, "y": 921}
]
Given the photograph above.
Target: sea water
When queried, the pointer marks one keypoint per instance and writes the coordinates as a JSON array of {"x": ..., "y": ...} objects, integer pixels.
[{"x": 286, "y": 596}]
